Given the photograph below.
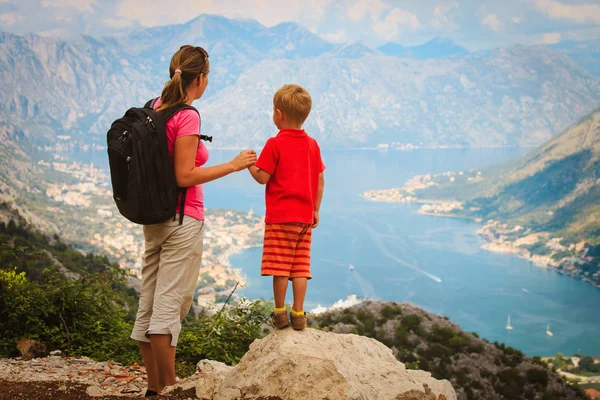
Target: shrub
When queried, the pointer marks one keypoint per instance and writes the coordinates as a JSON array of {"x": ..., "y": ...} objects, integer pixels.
[{"x": 537, "y": 376}]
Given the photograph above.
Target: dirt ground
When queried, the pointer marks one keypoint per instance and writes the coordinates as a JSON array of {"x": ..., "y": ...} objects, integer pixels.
[{"x": 67, "y": 391}]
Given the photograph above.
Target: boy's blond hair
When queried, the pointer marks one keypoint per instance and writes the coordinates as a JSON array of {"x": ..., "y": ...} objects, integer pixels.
[{"x": 294, "y": 101}]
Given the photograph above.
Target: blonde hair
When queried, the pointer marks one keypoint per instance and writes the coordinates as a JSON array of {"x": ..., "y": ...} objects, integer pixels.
[
  {"x": 294, "y": 101},
  {"x": 186, "y": 65}
]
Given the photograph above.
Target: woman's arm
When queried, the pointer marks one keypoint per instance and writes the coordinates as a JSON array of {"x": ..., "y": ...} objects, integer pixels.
[{"x": 186, "y": 172}]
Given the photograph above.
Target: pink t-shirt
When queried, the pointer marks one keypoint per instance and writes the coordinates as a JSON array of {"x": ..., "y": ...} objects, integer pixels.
[{"x": 186, "y": 123}]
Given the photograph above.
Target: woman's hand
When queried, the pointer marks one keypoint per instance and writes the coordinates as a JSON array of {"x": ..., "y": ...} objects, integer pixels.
[{"x": 243, "y": 160}]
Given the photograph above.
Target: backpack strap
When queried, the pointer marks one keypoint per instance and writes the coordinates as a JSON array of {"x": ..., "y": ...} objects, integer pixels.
[
  {"x": 150, "y": 103},
  {"x": 174, "y": 109},
  {"x": 166, "y": 115}
]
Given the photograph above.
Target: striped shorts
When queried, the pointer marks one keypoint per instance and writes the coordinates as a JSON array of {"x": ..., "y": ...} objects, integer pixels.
[{"x": 286, "y": 250}]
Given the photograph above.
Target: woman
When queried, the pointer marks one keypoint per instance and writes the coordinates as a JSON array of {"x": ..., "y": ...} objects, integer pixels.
[{"x": 173, "y": 252}]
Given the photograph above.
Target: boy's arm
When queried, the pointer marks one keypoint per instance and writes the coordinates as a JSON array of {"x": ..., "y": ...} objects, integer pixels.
[
  {"x": 318, "y": 200},
  {"x": 259, "y": 175}
]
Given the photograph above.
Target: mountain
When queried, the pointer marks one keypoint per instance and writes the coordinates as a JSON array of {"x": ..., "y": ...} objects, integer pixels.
[
  {"x": 585, "y": 53},
  {"x": 476, "y": 368},
  {"x": 353, "y": 50},
  {"x": 513, "y": 96},
  {"x": 394, "y": 49},
  {"x": 435, "y": 48},
  {"x": 555, "y": 188}
]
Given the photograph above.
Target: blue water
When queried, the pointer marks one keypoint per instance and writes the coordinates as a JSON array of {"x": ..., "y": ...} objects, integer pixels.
[{"x": 400, "y": 255}]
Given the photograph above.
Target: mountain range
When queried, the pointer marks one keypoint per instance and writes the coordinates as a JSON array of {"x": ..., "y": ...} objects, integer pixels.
[{"x": 433, "y": 95}]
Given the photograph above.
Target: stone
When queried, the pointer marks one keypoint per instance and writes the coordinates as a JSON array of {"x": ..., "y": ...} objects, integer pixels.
[
  {"x": 95, "y": 391},
  {"x": 314, "y": 365},
  {"x": 131, "y": 389},
  {"x": 78, "y": 361},
  {"x": 30, "y": 348},
  {"x": 56, "y": 353},
  {"x": 211, "y": 376}
]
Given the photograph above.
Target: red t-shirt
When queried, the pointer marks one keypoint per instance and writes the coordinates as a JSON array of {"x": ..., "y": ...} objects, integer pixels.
[{"x": 294, "y": 161}]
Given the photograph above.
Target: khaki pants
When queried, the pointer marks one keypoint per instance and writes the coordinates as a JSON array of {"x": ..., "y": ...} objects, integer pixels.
[{"x": 169, "y": 277}]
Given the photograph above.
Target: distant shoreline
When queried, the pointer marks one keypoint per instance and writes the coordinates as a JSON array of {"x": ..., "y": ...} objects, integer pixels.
[{"x": 505, "y": 248}]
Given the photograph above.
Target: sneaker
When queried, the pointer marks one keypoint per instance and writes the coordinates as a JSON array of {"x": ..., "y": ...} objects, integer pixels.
[
  {"x": 298, "y": 321},
  {"x": 280, "y": 319}
]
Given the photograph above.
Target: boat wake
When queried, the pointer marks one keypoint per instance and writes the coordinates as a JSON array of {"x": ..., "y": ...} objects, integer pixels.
[{"x": 381, "y": 246}]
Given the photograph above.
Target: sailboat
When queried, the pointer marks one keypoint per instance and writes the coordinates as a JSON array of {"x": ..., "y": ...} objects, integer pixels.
[
  {"x": 548, "y": 331},
  {"x": 508, "y": 325}
]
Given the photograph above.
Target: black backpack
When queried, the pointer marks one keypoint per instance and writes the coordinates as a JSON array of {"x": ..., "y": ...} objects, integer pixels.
[{"x": 143, "y": 179}]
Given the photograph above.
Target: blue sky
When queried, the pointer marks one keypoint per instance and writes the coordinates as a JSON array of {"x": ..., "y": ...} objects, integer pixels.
[{"x": 474, "y": 24}]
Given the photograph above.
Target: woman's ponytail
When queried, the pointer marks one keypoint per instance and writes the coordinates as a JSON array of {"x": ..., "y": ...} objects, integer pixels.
[{"x": 186, "y": 65}]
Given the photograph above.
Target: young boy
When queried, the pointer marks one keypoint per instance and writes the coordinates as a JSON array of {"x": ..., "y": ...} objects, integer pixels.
[{"x": 291, "y": 166}]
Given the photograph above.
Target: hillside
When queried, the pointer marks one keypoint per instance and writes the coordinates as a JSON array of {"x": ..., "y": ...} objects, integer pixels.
[
  {"x": 362, "y": 97},
  {"x": 544, "y": 207},
  {"x": 476, "y": 368},
  {"x": 554, "y": 188}
]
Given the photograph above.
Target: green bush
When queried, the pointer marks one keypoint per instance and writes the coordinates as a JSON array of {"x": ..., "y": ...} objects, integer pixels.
[
  {"x": 225, "y": 336},
  {"x": 412, "y": 323},
  {"x": 79, "y": 317},
  {"x": 94, "y": 315},
  {"x": 537, "y": 376},
  {"x": 401, "y": 340},
  {"x": 388, "y": 312}
]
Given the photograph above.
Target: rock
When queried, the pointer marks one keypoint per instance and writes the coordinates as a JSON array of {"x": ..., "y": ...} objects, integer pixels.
[
  {"x": 30, "y": 348},
  {"x": 212, "y": 374},
  {"x": 313, "y": 365},
  {"x": 131, "y": 389},
  {"x": 95, "y": 391},
  {"x": 56, "y": 353}
]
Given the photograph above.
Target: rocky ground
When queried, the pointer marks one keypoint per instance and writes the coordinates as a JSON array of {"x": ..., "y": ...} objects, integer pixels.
[{"x": 56, "y": 377}]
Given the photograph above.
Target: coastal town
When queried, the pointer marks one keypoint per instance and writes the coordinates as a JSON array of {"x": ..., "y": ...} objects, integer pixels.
[{"x": 540, "y": 248}]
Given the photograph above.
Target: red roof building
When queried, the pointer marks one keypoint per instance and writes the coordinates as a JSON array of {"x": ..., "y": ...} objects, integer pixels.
[{"x": 592, "y": 393}]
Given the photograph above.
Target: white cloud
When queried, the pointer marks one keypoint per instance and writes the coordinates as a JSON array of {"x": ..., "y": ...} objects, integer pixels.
[
  {"x": 8, "y": 19},
  {"x": 441, "y": 18},
  {"x": 79, "y": 5},
  {"x": 267, "y": 12},
  {"x": 517, "y": 20},
  {"x": 338, "y": 37},
  {"x": 492, "y": 22},
  {"x": 549, "y": 38},
  {"x": 360, "y": 9},
  {"x": 118, "y": 23},
  {"x": 56, "y": 32},
  {"x": 394, "y": 23},
  {"x": 580, "y": 13}
]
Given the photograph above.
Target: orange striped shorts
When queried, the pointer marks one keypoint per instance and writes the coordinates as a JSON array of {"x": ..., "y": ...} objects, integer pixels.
[{"x": 286, "y": 251}]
